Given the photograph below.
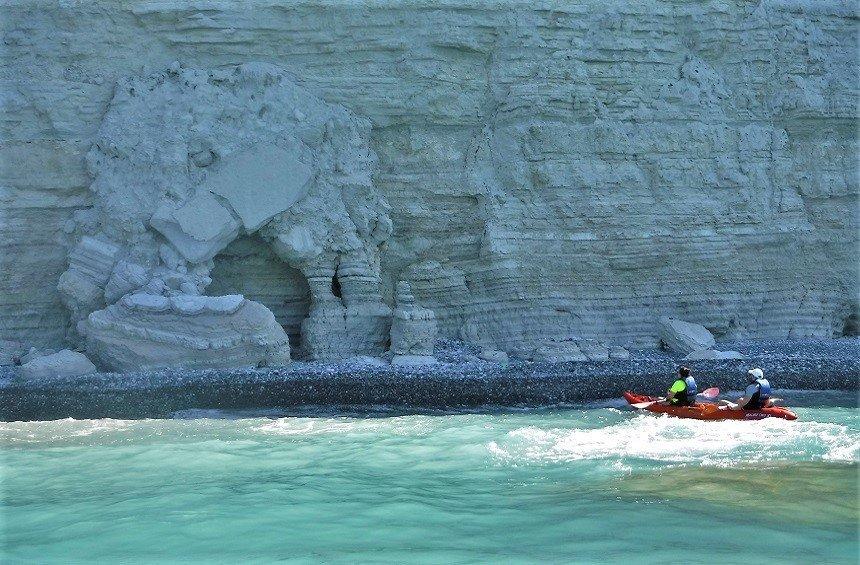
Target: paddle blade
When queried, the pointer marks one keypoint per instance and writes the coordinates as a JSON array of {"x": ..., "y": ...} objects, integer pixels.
[
  {"x": 710, "y": 393},
  {"x": 644, "y": 404}
]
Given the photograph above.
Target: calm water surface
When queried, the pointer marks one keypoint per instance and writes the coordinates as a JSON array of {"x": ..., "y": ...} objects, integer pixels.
[{"x": 581, "y": 484}]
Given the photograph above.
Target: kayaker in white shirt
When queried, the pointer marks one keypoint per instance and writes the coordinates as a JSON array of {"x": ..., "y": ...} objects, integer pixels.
[{"x": 756, "y": 395}]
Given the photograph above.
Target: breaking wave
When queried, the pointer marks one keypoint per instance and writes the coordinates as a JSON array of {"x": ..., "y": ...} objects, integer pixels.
[{"x": 674, "y": 440}]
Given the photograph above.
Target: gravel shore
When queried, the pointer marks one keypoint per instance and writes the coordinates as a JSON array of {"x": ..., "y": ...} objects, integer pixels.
[{"x": 459, "y": 380}]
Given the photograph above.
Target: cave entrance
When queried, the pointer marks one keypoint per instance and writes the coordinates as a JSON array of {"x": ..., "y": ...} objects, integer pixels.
[{"x": 248, "y": 266}]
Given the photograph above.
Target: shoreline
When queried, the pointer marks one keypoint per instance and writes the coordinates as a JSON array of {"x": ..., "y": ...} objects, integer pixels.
[{"x": 457, "y": 382}]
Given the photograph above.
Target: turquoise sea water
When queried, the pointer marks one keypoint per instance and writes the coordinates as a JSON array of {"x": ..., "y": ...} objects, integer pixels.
[{"x": 580, "y": 484}]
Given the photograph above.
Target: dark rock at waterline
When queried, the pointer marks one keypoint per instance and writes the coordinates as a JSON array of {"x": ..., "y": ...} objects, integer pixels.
[{"x": 461, "y": 381}]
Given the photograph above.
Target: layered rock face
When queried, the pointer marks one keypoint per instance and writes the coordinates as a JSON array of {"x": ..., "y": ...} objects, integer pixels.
[
  {"x": 144, "y": 331},
  {"x": 535, "y": 172}
]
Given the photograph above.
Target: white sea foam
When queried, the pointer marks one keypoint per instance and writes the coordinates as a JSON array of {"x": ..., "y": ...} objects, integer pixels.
[
  {"x": 293, "y": 426},
  {"x": 59, "y": 430},
  {"x": 668, "y": 439},
  {"x": 306, "y": 426}
]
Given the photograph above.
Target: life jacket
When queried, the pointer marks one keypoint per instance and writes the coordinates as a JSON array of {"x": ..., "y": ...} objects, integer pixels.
[
  {"x": 688, "y": 395},
  {"x": 761, "y": 396}
]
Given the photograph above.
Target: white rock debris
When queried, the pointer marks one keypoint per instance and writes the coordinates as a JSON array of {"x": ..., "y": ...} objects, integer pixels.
[
  {"x": 262, "y": 182},
  {"x": 65, "y": 363},
  {"x": 34, "y": 353},
  {"x": 169, "y": 200},
  {"x": 81, "y": 287},
  {"x": 618, "y": 352}
]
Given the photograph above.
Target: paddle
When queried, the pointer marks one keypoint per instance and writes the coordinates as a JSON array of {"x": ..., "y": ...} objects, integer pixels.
[{"x": 709, "y": 393}]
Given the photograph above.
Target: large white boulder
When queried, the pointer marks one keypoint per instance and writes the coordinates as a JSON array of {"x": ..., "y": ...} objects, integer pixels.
[
  {"x": 618, "y": 352},
  {"x": 493, "y": 355},
  {"x": 684, "y": 337},
  {"x": 263, "y": 181},
  {"x": 593, "y": 349},
  {"x": 198, "y": 229},
  {"x": 65, "y": 363},
  {"x": 144, "y": 331},
  {"x": 81, "y": 287}
]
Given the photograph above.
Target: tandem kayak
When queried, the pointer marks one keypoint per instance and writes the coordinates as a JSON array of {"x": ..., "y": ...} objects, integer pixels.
[{"x": 702, "y": 411}]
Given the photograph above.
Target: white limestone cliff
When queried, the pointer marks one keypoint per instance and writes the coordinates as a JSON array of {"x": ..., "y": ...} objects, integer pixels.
[{"x": 534, "y": 171}]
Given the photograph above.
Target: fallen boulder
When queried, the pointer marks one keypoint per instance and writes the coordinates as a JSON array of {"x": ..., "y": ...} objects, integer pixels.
[
  {"x": 65, "y": 363},
  {"x": 81, "y": 287},
  {"x": 593, "y": 349},
  {"x": 558, "y": 352},
  {"x": 145, "y": 331},
  {"x": 494, "y": 356},
  {"x": 264, "y": 180},
  {"x": 684, "y": 337},
  {"x": 34, "y": 353},
  {"x": 199, "y": 229},
  {"x": 618, "y": 352}
]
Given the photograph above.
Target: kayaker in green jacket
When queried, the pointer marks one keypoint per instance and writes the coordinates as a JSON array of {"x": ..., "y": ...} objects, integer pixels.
[{"x": 683, "y": 390}]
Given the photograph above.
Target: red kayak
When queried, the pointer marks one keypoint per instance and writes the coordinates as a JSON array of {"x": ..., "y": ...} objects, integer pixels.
[{"x": 703, "y": 411}]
